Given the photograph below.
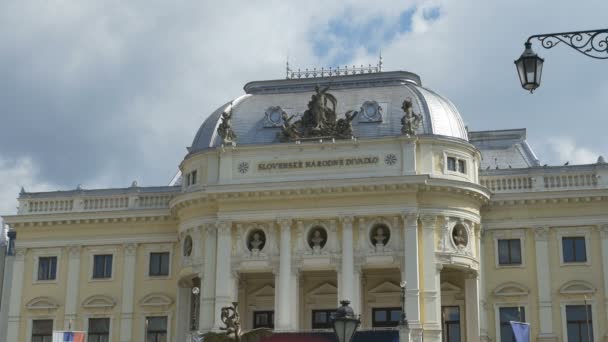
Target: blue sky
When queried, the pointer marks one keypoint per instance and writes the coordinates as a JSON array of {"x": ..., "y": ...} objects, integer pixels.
[{"x": 101, "y": 94}]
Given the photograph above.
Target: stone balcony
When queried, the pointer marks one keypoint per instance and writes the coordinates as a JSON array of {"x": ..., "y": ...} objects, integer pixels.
[
  {"x": 539, "y": 179},
  {"x": 80, "y": 201}
]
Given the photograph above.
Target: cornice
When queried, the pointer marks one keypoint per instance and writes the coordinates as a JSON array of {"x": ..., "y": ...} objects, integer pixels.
[
  {"x": 76, "y": 244},
  {"x": 110, "y": 217},
  {"x": 554, "y": 221},
  {"x": 548, "y": 198}
]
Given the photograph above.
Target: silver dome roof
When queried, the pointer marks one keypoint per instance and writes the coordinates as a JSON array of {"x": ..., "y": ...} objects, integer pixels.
[{"x": 378, "y": 95}]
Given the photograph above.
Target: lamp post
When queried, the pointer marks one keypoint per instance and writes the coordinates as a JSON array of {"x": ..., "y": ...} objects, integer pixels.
[
  {"x": 345, "y": 322},
  {"x": 403, "y": 286},
  {"x": 592, "y": 43}
]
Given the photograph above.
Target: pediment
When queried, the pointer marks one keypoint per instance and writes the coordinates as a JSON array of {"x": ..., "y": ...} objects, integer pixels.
[
  {"x": 156, "y": 299},
  {"x": 511, "y": 289},
  {"x": 324, "y": 289},
  {"x": 448, "y": 288},
  {"x": 99, "y": 301},
  {"x": 386, "y": 288},
  {"x": 264, "y": 291},
  {"x": 577, "y": 287},
  {"x": 42, "y": 303}
]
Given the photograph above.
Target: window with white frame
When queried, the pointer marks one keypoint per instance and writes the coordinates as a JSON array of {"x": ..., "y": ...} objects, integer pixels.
[
  {"x": 99, "y": 330},
  {"x": 450, "y": 317},
  {"x": 455, "y": 164},
  {"x": 509, "y": 252},
  {"x": 42, "y": 330},
  {"x": 506, "y": 315},
  {"x": 47, "y": 268},
  {"x": 159, "y": 264},
  {"x": 102, "y": 266},
  {"x": 156, "y": 329},
  {"x": 574, "y": 249},
  {"x": 579, "y": 323}
]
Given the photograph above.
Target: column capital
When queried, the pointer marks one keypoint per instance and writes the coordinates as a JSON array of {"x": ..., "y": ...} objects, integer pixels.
[
  {"x": 130, "y": 249},
  {"x": 410, "y": 217},
  {"x": 224, "y": 227},
  {"x": 429, "y": 221},
  {"x": 210, "y": 228},
  {"x": 603, "y": 229},
  {"x": 347, "y": 220},
  {"x": 20, "y": 253},
  {"x": 74, "y": 251},
  {"x": 541, "y": 233},
  {"x": 284, "y": 222}
]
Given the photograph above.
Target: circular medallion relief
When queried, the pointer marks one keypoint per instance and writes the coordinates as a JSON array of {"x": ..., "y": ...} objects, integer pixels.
[
  {"x": 317, "y": 237},
  {"x": 379, "y": 235},
  {"x": 256, "y": 240},
  {"x": 187, "y": 246},
  {"x": 460, "y": 236}
]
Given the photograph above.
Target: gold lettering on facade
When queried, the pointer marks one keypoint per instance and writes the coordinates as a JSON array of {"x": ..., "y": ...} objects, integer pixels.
[{"x": 317, "y": 163}]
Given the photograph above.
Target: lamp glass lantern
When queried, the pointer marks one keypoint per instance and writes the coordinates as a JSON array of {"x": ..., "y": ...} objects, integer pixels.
[
  {"x": 529, "y": 68},
  {"x": 345, "y": 323}
]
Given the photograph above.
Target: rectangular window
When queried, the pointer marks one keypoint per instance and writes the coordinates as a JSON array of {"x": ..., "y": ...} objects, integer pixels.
[
  {"x": 47, "y": 268},
  {"x": 462, "y": 166},
  {"x": 102, "y": 266},
  {"x": 579, "y": 323},
  {"x": 322, "y": 319},
  {"x": 99, "y": 330},
  {"x": 159, "y": 264},
  {"x": 451, "y": 163},
  {"x": 509, "y": 252},
  {"x": 263, "y": 319},
  {"x": 193, "y": 177},
  {"x": 508, "y": 314},
  {"x": 451, "y": 323},
  {"x": 386, "y": 317},
  {"x": 574, "y": 249},
  {"x": 156, "y": 329},
  {"x": 42, "y": 330}
]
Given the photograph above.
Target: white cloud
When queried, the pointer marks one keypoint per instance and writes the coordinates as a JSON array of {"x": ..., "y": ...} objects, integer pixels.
[
  {"x": 15, "y": 174},
  {"x": 565, "y": 149}
]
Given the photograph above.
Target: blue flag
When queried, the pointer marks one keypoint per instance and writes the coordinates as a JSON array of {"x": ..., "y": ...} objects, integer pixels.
[{"x": 521, "y": 331}]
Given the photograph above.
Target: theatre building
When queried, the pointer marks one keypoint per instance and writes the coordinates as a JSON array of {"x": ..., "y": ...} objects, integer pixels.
[{"x": 309, "y": 190}]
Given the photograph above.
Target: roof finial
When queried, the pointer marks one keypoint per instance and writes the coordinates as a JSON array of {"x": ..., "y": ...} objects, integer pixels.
[
  {"x": 287, "y": 67},
  {"x": 380, "y": 61}
]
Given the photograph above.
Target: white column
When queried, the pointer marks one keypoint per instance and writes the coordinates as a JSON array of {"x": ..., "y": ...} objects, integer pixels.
[
  {"x": 128, "y": 290},
  {"x": 431, "y": 290},
  {"x": 223, "y": 273},
  {"x": 182, "y": 326},
  {"x": 604, "y": 236},
  {"x": 543, "y": 278},
  {"x": 294, "y": 294},
  {"x": 71, "y": 290},
  {"x": 411, "y": 268},
  {"x": 347, "y": 271},
  {"x": 207, "y": 297},
  {"x": 282, "y": 316},
  {"x": 14, "y": 304},
  {"x": 471, "y": 289},
  {"x": 483, "y": 321}
]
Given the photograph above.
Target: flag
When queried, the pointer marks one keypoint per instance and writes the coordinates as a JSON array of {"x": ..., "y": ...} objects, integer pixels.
[
  {"x": 68, "y": 336},
  {"x": 521, "y": 331}
]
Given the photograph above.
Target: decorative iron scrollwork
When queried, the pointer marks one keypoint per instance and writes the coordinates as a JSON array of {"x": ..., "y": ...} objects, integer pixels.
[{"x": 592, "y": 43}]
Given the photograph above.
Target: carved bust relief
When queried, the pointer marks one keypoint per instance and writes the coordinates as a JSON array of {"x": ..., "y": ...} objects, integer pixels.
[
  {"x": 460, "y": 236},
  {"x": 317, "y": 238},
  {"x": 379, "y": 236},
  {"x": 187, "y": 246},
  {"x": 371, "y": 111},
  {"x": 256, "y": 240}
]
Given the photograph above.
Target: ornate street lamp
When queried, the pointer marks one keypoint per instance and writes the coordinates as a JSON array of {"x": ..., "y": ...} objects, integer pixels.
[
  {"x": 403, "y": 286},
  {"x": 593, "y": 43},
  {"x": 345, "y": 322}
]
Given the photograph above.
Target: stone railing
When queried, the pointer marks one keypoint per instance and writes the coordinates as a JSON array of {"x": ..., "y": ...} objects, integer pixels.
[
  {"x": 93, "y": 200},
  {"x": 545, "y": 179}
]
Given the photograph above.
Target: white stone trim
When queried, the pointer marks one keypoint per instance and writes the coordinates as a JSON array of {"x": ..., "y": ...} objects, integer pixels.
[
  {"x": 50, "y": 252},
  {"x": 574, "y": 232},
  {"x": 142, "y": 322},
  {"x": 594, "y": 317},
  {"x": 159, "y": 248},
  {"x": 148, "y": 238},
  {"x": 91, "y": 252},
  {"x": 510, "y": 234},
  {"x": 468, "y": 165},
  {"x": 87, "y": 316},
  {"x": 497, "y": 307}
]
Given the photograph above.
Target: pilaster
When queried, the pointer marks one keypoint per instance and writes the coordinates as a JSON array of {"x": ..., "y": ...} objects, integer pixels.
[
  {"x": 128, "y": 289},
  {"x": 223, "y": 274},
  {"x": 543, "y": 278},
  {"x": 207, "y": 297},
  {"x": 604, "y": 236},
  {"x": 411, "y": 272},
  {"x": 483, "y": 312},
  {"x": 347, "y": 273},
  {"x": 71, "y": 289},
  {"x": 14, "y": 305},
  {"x": 472, "y": 321},
  {"x": 431, "y": 276},
  {"x": 283, "y": 319}
]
